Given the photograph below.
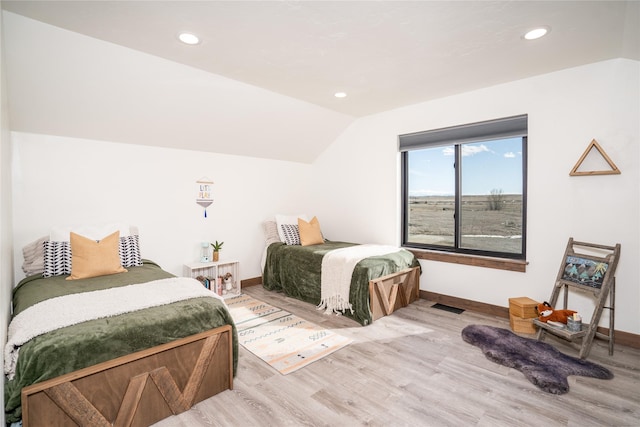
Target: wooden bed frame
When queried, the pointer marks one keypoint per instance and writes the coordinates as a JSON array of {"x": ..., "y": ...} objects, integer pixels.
[
  {"x": 394, "y": 291},
  {"x": 138, "y": 389}
]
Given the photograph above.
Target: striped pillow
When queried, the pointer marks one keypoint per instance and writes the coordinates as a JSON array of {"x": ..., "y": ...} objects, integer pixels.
[
  {"x": 130, "y": 251},
  {"x": 57, "y": 258},
  {"x": 291, "y": 234}
]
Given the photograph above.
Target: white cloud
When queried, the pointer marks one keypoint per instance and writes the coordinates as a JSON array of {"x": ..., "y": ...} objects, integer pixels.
[
  {"x": 509, "y": 155},
  {"x": 467, "y": 150},
  {"x": 470, "y": 150}
]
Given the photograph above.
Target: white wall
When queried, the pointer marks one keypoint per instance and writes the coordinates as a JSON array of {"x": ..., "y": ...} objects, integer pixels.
[
  {"x": 359, "y": 179},
  {"x": 67, "y": 181},
  {"x": 6, "y": 235}
]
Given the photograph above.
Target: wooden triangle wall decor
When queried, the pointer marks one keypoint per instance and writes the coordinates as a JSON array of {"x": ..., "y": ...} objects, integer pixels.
[{"x": 594, "y": 144}]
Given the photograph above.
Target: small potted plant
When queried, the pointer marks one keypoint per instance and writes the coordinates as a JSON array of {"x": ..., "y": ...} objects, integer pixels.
[{"x": 216, "y": 250}]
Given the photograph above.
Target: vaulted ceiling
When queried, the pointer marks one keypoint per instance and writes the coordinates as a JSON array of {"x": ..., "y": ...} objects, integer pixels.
[{"x": 262, "y": 79}]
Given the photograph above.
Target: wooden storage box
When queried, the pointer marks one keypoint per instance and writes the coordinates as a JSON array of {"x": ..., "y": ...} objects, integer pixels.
[
  {"x": 522, "y": 326},
  {"x": 523, "y": 307}
]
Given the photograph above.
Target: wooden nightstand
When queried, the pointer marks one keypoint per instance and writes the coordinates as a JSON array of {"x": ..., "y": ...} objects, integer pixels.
[{"x": 215, "y": 270}]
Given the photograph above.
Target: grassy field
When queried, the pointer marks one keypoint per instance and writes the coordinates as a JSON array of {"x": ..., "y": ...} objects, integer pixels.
[{"x": 431, "y": 221}]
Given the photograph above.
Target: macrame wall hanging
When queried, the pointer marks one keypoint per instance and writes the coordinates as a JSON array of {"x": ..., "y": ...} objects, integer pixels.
[{"x": 204, "y": 197}]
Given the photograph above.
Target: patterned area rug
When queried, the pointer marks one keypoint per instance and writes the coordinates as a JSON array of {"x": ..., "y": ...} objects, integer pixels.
[{"x": 281, "y": 339}]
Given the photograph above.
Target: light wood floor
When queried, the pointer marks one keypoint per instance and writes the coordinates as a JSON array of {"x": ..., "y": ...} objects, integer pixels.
[{"x": 413, "y": 369}]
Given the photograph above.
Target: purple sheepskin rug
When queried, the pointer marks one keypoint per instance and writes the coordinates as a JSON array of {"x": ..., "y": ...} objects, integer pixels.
[{"x": 541, "y": 363}]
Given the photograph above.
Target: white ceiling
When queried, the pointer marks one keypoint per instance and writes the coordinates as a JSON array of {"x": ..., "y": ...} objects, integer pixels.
[{"x": 383, "y": 54}]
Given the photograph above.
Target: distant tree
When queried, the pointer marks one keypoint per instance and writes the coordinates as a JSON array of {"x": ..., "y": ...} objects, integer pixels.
[{"x": 496, "y": 198}]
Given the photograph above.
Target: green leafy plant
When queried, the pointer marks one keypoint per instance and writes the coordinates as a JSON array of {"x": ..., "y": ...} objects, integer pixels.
[{"x": 217, "y": 246}]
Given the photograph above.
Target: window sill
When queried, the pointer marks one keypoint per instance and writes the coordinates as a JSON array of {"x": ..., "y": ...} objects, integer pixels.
[{"x": 474, "y": 260}]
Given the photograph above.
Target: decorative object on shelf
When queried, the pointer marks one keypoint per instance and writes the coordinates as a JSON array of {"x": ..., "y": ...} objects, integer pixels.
[
  {"x": 204, "y": 197},
  {"x": 228, "y": 282},
  {"x": 574, "y": 323},
  {"x": 219, "y": 290},
  {"x": 216, "y": 250},
  {"x": 594, "y": 144},
  {"x": 205, "y": 281},
  {"x": 204, "y": 252},
  {"x": 549, "y": 314}
]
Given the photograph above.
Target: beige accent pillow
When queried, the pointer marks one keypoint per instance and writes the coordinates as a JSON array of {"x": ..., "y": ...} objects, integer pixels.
[
  {"x": 270, "y": 229},
  {"x": 91, "y": 259},
  {"x": 34, "y": 257},
  {"x": 310, "y": 233}
]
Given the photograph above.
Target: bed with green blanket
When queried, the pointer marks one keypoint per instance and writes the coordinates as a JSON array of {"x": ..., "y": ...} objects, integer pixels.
[
  {"x": 296, "y": 271},
  {"x": 92, "y": 342}
]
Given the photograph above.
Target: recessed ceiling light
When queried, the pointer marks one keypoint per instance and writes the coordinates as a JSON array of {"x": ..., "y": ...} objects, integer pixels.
[
  {"x": 536, "y": 33},
  {"x": 340, "y": 95},
  {"x": 188, "y": 38}
]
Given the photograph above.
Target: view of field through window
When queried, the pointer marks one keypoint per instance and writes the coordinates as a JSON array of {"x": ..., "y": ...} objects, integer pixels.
[
  {"x": 431, "y": 222},
  {"x": 490, "y": 191}
]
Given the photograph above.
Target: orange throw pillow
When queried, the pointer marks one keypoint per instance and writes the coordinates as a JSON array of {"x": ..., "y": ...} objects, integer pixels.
[
  {"x": 91, "y": 259},
  {"x": 310, "y": 233}
]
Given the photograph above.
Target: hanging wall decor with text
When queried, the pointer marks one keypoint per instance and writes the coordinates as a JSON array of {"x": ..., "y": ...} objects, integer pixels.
[{"x": 204, "y": 195}]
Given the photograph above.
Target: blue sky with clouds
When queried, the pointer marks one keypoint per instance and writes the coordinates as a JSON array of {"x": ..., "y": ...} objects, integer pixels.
[{"x": 485, "y": 166}]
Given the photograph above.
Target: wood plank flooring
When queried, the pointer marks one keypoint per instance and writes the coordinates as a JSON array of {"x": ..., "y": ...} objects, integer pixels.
[{"x": 413, "y": 369}]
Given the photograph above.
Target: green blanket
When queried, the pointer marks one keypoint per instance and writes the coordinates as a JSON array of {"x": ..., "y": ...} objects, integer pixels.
[
  {"x": 295, "y": 270},
  {"x": 86, "y": 344}
]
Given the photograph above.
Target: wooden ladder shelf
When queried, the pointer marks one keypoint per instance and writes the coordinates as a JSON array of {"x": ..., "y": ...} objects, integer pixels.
[{"x": 592, "y": 275}]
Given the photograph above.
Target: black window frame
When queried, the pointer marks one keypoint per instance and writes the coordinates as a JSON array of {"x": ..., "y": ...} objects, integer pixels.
[{"x": 457, "y": 136}]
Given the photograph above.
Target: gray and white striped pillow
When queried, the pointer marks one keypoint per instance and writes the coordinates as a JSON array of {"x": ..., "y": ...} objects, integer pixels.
[
  {"x": 57, "y": 258},
  {"x": 291, "y": 234},
  {"x": 129, "y": 251}
]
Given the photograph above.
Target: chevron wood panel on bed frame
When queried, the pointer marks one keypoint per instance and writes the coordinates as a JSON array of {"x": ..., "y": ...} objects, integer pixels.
[
  {"x": 138, "y": 389},
  {"x": 394, "y": 291}
]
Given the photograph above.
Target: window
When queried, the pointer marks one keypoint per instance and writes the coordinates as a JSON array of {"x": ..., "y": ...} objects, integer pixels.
[{"x": 464, "y": 188}]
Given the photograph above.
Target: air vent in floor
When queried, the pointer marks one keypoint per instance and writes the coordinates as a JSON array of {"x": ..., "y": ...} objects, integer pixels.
[{"x": 448, "y": 308}]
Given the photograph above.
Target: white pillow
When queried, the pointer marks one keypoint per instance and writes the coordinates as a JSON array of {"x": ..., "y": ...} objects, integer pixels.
[
  {"x": 288, "y": 219},
  {"x": 93, "y": 232}
]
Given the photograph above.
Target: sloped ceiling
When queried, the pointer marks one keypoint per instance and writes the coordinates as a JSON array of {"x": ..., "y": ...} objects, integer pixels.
[{"x": 261, "y": 82}]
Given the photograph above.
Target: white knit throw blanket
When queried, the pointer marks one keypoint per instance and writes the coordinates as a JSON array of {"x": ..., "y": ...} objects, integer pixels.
[
  {"x": 337, "y": 269},
  {"x": 67, "y": 310}
]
